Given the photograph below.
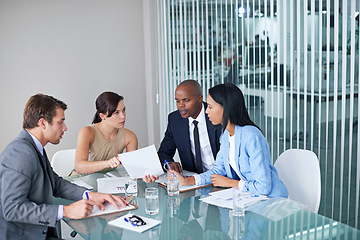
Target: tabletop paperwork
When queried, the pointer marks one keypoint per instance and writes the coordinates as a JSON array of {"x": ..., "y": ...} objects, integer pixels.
[
  {"x": 120, "y": 222},
  {"x": 109, "y": 208},
  {"x": 111, "y": 184},
  {"x": 224, "y": 198},
  {"x": 162, "y": 181},
  {"x": 141, "y": 162},
  {"x": 81, "y": 183}
]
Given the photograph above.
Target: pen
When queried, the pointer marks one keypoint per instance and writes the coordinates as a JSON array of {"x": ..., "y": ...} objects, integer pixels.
[
  {"x": 167, "y": 165},
  {"x": 87, "y": 195}
]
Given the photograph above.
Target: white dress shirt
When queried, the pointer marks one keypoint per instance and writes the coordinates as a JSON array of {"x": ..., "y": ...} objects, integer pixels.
[{"x": 207, "y": 156}]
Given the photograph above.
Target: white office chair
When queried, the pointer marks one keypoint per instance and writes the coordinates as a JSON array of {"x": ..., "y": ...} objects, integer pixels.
[
  {"x": 299, "y": 170},
  {"x": 63, "y": 162}
]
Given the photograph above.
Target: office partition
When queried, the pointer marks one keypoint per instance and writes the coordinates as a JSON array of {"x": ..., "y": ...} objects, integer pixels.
[{"x": 297, "y": 63}]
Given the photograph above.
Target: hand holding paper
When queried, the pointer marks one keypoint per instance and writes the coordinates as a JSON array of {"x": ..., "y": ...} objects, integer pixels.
[{"x": 142, "y": 162}]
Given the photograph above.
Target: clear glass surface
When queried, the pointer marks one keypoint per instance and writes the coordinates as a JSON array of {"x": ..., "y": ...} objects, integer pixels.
[{"x": 185, "y": 217}]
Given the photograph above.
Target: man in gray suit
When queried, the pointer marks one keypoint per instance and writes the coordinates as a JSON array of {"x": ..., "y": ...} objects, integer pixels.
[{"x": 28, "y": 183}]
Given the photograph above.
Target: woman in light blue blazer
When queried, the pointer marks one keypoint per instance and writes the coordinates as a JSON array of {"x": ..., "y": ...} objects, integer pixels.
[{"x": 244, "y": 157}]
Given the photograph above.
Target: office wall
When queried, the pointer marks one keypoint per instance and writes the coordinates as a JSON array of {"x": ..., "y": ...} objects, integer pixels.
[{"x": 73, "y": 50}]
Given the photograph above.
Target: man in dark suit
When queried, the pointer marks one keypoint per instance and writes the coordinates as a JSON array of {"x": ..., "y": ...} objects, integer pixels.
[
  {"x": 28, "y": 183},
  {"x": 180, "y": 133}
]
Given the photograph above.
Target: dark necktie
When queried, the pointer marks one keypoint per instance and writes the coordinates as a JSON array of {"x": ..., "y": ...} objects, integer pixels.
[{"x": 198, "y": 161}]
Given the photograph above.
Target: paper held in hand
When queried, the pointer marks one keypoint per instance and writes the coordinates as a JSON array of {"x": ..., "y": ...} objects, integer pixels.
[{"x": 141, "y": 162}]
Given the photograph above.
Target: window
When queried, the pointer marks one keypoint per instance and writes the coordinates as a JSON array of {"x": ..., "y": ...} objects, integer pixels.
[{"x": 297, "y": 63}]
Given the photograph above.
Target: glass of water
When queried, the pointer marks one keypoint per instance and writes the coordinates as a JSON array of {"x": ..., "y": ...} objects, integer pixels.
[
  {"x": 130, "y": 186},
  {"x": 173, "y": 184},
  {"x": 151, "y": 201},
  {"x": 238, "y": 202}
]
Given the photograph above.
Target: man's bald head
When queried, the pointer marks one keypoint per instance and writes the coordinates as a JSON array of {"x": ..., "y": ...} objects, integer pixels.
[{"x": 191, "y": 84}]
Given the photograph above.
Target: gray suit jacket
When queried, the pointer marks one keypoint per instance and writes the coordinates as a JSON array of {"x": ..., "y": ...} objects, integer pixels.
[{"x": 27, "y": 187}]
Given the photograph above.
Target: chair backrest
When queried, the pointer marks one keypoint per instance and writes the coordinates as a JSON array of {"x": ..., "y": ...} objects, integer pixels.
[
  {"x": 299, "y": 170},
  {"x": 63, "y": 162}
]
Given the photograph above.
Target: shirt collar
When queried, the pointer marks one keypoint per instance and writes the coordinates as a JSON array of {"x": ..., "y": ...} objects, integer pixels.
[
  {"x": 200, "y": 118},
  {"x": 38, "y": 145}
]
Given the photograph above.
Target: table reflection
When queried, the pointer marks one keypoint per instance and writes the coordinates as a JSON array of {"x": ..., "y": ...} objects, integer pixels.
[{"x": 187, "y": 217}]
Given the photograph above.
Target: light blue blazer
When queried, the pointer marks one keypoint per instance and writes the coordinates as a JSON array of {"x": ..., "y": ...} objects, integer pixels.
[{"x": 253, "y": 162}]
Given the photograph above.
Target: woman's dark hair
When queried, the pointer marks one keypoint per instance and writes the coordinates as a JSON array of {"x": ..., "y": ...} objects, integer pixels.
[
  {"x": 106, "y": 103},
  {"x": 232, "y": 100}
]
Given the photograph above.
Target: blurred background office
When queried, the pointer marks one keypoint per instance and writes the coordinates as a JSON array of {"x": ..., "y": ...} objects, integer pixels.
[
  {"x": 297, "y": 63},
  {"x": 300, "y": 79}
]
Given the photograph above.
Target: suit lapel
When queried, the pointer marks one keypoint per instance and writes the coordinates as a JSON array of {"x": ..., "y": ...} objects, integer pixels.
[{"x": 43, "y": 160}]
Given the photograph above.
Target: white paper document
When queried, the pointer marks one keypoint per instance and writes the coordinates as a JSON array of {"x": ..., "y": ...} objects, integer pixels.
[
  {"x": 141, "y": 162},
  {"x": 224, "y": 203},
  {"x": 224, "y": 198},
  {"x": 224, "y": 194},
  {"x": 111, "y": 185},
  {"x": 81, "y": 183},
  {"x": 120, "y": 222},
  {"x": 109, "y": 208}
]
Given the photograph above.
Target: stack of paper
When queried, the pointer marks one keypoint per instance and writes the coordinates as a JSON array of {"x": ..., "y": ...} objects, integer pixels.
[
  {"x": 109, "y": 208},
  {"x": 83, "y": 182},
  {"x": 224, "y": 198},
  {"x": 120, "y": 222}
]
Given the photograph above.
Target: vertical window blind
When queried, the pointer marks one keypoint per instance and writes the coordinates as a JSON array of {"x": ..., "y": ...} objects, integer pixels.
[{"x": 297, "y": 63}]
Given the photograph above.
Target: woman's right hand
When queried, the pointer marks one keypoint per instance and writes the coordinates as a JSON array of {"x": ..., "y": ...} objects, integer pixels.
[{"x": 114, "y": 162}]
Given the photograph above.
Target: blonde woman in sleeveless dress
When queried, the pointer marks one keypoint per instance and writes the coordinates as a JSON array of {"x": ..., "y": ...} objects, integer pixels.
[{"x": 99, "y": 144}]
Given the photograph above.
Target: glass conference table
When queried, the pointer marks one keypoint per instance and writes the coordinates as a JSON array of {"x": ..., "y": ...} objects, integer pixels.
[{"x": 185, "y": 217}]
